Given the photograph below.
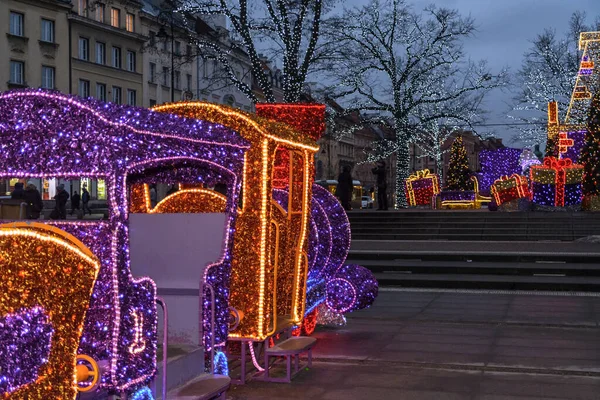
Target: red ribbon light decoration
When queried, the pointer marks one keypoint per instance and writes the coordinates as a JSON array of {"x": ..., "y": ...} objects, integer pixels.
[{"x": 560, "y": 177}]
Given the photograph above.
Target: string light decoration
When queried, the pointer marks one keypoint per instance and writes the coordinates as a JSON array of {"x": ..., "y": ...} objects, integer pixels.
[
  {"x": 421, "y": 187},
  {"x": 27, "y": 331},
  {"x": 221, "y": 364},
  {"x": 352, "y": 288},
  {"x": 586, "y": 84},
  {"x": 591, "y": 158},
  {"x": 556, "y": 182},
  {"x": 457, "y": 199},
  {"x": 259, "y": 226},
  {"x": 44, "y": 267},
  {"x": 496, "y": 163},
  {"x": 143, "y": 394},
  {"x": 509, "y": 188},
  {"x": 297, "y": 37},
  {"x": 120, "y": 145},
  {"x": 459, "y": 172}
]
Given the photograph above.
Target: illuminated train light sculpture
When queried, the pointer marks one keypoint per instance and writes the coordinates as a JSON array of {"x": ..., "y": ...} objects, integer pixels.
[
  {"x": 284, "y": 245},
  {"x": 49, "y": 135}
]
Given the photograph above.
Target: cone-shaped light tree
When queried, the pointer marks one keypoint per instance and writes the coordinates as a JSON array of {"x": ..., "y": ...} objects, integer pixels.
[
  {"x": 459, "y": 173},
  {"x": 591, "y": 151}
]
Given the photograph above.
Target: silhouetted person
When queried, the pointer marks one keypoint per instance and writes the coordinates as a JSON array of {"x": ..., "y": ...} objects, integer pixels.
[
  {"x": 61, "y": 198},
  {"x": 33, "y": 198},
  {"x": 85, "y": 199},
  {"x": 344, "y": 188},
  {"x": 153, "y": 196},
  {"x": 18, "y": 192},
  {"x": 381, "y": 173},
  {"x": 75, "y": 202}
]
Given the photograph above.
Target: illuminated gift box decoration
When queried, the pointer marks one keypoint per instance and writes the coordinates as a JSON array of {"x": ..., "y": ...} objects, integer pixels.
[
  {"x": 509, "y": 188},
  {"x": 421, "y": 187},
  {"x": 557, "y": 182}
]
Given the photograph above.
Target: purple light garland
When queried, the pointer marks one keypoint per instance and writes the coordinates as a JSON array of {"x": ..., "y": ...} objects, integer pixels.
[
  {"x": 497, "y": 163},
  {"x": 25, "y": 338},
  {"x": 50, "y": 135}
]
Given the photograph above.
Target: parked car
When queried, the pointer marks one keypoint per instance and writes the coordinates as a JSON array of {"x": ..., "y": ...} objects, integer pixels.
[{"x": 366, "y": 202}]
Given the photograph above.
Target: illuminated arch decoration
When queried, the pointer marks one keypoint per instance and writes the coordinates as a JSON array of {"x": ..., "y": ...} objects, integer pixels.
[
  {"x": 260, "y": 225},
  {"x": 47, "y": 134},
  {"x": 193, "y": 200},
  {"x": 52, "y": 273}
]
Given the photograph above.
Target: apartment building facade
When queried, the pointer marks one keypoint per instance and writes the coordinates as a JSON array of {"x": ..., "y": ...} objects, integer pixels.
[
  {"x": 34, "y": 44},
  {"x": 106, "y": 56}
]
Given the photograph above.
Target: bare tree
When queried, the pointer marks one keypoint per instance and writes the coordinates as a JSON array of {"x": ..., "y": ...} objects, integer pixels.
[
  {"x": 393, "y": 60},
  {"x": 288, "y": 29},
  {"x": 548, "y": 73}
]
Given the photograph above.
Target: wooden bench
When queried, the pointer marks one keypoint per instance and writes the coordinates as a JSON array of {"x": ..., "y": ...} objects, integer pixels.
[
  {"x": 204, "y": 388},
  {"x": 289, "y": 348}
]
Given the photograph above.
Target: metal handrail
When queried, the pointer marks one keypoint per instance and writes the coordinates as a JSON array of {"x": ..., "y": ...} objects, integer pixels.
[
  {"x": 212, "y": 324},
  {"x": 162, "y": 303}
]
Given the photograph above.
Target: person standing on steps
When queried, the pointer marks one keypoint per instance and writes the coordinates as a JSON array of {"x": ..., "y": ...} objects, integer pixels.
[
  {"x": 381, "y": 173},
  {"x": 344, "y": 188}
]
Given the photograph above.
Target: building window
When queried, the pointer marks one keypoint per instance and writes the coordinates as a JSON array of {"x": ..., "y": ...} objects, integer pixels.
[
  {"x": 100, "y": 10},
  {"x": 16, "y": 24},
  {"x": 116, "y": 95},
  {"x": 115, "y": 17},
  {"x": 205, "y": 68},
  {"x": 100, "y": 53},
  {"x": 131, "y": 61},
  {"x": 84, "y": 49},
  {"x": 116, "y": 57},
  {"x": 83, "y": 5},
  {"x": 165, "y": 74},
  {"x": 152, "y": 41},
  {"x": 152, "y": 72},
  {"x": 177, "y": 80},
  {"x": 129, "y": 22},
  {"x": 188, "y": 85},
  {"x": 165, "y": 46},
  {"x": 48, "y": 77},
  {"x": 101, "y": 91},
  {"x": 177, "y": 48},
  {"x": 84, "y": 88},
  {"x": 131, "y": 97},
  {"x": 47, "y": 31},
  {"x": 152, "y": 102},
  {"x": 17, "y": 72},
  {"x": 188, "y": 50}
]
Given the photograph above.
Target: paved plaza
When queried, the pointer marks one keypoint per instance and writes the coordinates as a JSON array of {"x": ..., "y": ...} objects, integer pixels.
[{"x": 454, "y": 345}]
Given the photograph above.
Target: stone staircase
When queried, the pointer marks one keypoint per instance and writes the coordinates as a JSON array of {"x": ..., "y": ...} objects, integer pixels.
[{"x": 478, "y": 250}]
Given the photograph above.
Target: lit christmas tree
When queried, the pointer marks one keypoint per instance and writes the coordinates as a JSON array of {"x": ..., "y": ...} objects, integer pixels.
[
  {"x": 590, "y": 156},
  {"x": 459, "y": 174}
]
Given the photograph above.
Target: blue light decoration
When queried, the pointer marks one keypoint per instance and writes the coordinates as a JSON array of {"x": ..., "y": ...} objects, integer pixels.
[
  {"x": 220, "y": 363},
  {"x": 574, "y": 152},
  {"x": 143, "y": 394}
]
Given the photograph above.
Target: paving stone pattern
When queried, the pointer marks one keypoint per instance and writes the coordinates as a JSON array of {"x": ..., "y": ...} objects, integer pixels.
[{"x": 430, "y": 345}]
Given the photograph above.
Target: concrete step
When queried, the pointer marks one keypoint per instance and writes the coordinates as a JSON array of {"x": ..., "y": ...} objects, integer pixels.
[
  {"x": 480, "y": 267},
  {"x": 499, "y": 282},
  {"x": 465, "y": 236}
]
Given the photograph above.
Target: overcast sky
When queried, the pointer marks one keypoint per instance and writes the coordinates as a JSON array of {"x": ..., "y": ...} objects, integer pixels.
[{"x": 505, "y": 30}]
